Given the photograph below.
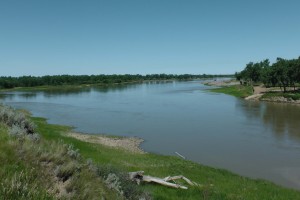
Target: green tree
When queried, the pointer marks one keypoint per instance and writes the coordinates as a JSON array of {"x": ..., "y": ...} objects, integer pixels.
[{"x": 282, "y": 73}]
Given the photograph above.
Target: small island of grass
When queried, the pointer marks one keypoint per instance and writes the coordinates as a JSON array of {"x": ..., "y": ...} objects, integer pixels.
[{"x": 234, "y": 90}]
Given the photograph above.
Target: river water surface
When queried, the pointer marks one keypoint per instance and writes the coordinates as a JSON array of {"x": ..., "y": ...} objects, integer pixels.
[{"x": 255, "y": 139}]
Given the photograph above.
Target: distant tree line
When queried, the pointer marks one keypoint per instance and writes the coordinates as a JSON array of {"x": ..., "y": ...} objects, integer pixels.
[
  {"x": 33, "y": 81},
  {"x": 283, "y": 73}
]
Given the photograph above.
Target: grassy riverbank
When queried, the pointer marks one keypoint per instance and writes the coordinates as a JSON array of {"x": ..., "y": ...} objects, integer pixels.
[
  {"x": 289, "y": 96},
  {"x": 261, "y": 93},
  {"x": 33, "y": 167},
  {"x": 225, "y": 185},
  {"x": 87, "y": 168},
  {"x": 235, "y": 90}
]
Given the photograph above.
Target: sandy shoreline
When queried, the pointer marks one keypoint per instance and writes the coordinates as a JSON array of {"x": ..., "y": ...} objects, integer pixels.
[
  {"x": 131, "y": 144},
  {"x": 221, "y": 83},
  {"x": 259, "y": 91}
]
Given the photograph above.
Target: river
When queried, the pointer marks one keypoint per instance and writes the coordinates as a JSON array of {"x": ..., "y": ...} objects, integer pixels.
[{"x": 254, "y": 139}]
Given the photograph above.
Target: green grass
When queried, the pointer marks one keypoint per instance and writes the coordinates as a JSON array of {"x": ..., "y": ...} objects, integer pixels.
[
  {"x": 294, "y": 96},
  {"x": 225, "y": 185},
  {"x": 34, "y": 167},
  {"x": 30, "y": 169},
  {"x": 235, "y": 90},
  {"x": 18, "y": 178},
  {"x": 270, "y": 95}
]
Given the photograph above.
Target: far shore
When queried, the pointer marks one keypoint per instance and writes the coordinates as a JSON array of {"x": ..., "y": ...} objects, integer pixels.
[
  {"x": 221, "y": 83},
  {"x": 259, "y": 92}
]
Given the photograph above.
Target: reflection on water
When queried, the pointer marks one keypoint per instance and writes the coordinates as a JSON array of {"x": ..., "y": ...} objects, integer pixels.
[
  {"x": 284, "y": 119},
  {"x": 115, "y": 88},
  {"x": 28, "y": 95},
  {"x": 252, "y": 109},
  {"x": 64, "y": 91},
  {"x": 260, "y": 140}
]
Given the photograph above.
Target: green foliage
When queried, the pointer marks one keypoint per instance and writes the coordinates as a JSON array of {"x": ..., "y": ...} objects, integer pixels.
[
  {"x": 290, "y": 95},
  {"x": 283, "y": 73},
  {"x": 253, "y": 71},
  {"x": 31, "y": 81},
  {"x": 235, "y": 90},
  {"x": 17, "y": 121},
  {"x": 18, "y": 180}
]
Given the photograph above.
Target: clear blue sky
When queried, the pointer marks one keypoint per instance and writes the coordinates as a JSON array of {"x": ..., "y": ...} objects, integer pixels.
[{"x": 144, "y": 36}]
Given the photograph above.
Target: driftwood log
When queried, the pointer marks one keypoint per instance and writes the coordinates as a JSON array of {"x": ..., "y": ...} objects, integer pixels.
[{"x": 139, "y": 177}]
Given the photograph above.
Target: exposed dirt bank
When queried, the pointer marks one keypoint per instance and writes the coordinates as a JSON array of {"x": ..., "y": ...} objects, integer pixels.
[
  {"x": 259, "y": 91},
  {"x": 131, "y": 144},
  {"x": 280, "y": 99}
]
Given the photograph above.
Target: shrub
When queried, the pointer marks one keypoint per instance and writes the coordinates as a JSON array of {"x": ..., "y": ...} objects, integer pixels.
[
  {"x": 64, "y": 172},
  {"x": 14, "y": 119},
  {"x": 91, "y": 166},
  {"x": 17, "y": 131},
  {"x": 119, "y": 181},
  {"x": 34, "y": 137},
  {"x": 113, "y": 182},
  {"x": 73, "y": 153}
]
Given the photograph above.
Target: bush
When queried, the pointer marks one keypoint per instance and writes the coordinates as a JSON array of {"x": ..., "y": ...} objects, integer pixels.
[
  {"x": 17, "y": 131},
  {"x": 113, "y": 182},
  {"x": 73, "y": 153},
  {"x": 14, "y": 119},
  {"x": 120, "y": 182},
  {"x": 34, "y": 137}
]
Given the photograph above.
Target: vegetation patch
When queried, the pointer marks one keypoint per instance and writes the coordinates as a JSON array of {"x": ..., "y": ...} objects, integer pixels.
[
  {"x": 283, "y": 73},
  {"x": 294, "y": 96},
  {"x": 18, "y": 179},
  {"x": 45, "y": 169},
  {"x": 84, "y": 80},
  {"x": 241, "y": 91},
  {"x": 281, "y": 96}
]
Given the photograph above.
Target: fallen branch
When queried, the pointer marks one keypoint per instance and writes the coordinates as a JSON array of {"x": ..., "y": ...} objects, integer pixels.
[
  {"x": 139, "y": 177},
  {"x": 173, "y": 178}
]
